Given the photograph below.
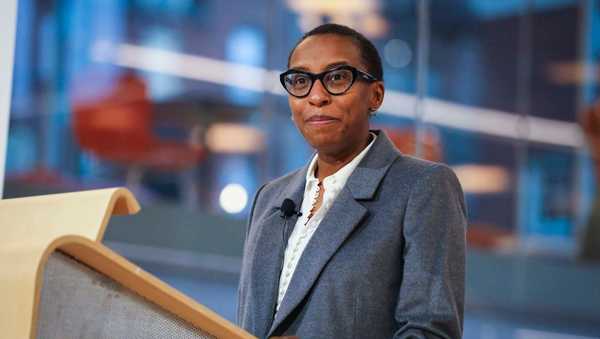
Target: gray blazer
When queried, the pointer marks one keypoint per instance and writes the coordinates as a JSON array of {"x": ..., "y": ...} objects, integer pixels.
[{"x": 387, "y": 261}]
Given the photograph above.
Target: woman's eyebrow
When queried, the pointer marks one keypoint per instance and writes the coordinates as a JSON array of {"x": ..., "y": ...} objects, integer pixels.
[
  {"x": 337, "y": 64},
  {"x": 328, "y": 67},
  {"x": 298, "y": 68}
]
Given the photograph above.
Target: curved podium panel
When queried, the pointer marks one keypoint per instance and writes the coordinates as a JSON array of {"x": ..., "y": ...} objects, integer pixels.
[
  {"x": 78, "y": 302},
  {"x": 59, "y": 281}
]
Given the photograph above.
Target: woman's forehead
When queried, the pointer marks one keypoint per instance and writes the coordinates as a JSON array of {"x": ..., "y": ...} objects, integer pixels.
[{"x": 319, "y": 52}]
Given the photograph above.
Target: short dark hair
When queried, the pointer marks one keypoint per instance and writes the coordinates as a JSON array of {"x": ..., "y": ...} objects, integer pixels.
[{"x": 368, "y": 52}]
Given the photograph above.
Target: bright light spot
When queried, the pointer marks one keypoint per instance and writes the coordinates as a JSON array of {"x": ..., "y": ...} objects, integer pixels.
[
  {"x": 397, "y": 53},
  {"x": 482, "y": 178},
  {"x": 233, "y": 198},
  {"x": 234, "y": 138}
]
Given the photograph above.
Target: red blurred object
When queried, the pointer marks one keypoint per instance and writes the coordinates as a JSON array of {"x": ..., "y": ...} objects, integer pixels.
[
  {"x": 490, "y": 237},
  {"x": 118, "y": 127},
  {"x": 404, "y": 139}
]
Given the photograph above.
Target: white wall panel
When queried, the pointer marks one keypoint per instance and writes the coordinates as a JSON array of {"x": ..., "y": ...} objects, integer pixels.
[{"x": 8, "y": 25}]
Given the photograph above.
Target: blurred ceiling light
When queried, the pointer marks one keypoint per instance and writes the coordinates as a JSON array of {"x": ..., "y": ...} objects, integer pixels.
[
  {"x": 482, "y": 178},
  {"x": 233, "y": 198},
  {"x": 573, "y": 73},
  {"x": 396, "y": 103},
  {"x": 234, "y": 138},
  {"x": 397, "y": 53},
  {"x": 190, "y": 66},
  {"x": 360, "y": 14},
  {"x": 486, "y": 121}
]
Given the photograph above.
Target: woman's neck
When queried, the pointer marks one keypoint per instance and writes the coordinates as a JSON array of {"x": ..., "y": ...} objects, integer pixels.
[{"x": 328, "y": 164}]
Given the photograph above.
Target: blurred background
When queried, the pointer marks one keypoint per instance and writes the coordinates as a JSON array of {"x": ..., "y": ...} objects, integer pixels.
[{"x": 179, "y": 101}]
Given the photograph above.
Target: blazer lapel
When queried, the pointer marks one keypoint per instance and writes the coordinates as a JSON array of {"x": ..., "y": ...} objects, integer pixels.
[
  {"x": 345, "y": 214},
  {"x": 268, "y": 254}
]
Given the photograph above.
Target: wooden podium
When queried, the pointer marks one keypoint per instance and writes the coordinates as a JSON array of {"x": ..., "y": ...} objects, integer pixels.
[{"x": 58, "y": 281}]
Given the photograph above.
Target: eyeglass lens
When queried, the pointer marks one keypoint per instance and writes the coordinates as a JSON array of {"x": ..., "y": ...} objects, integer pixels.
[{"x": 335, "y": 81}]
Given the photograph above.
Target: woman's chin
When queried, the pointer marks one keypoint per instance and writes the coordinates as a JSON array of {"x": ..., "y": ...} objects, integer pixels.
[{"x": 322, "y": 141}]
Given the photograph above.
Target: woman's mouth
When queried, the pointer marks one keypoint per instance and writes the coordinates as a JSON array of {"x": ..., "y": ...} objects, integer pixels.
[{"x": 320, "y": 120}]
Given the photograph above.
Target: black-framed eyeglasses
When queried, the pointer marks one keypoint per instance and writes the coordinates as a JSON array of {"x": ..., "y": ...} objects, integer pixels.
[{"x": 336, "y": 81}]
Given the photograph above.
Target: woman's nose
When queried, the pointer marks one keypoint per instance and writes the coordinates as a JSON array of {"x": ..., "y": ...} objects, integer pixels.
[{"x": 318, "y": 95}]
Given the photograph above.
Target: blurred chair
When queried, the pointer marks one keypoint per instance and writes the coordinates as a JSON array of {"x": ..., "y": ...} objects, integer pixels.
[
  {"x": 117, "y": 127},
  {"x": 490, "y": 237}
]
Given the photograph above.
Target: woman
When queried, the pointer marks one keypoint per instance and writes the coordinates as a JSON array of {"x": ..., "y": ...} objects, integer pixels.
[{"x": 362, "y": 242}]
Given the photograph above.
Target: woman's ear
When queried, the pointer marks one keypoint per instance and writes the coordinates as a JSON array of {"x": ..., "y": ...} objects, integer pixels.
[{"x": 377, "y": 93}]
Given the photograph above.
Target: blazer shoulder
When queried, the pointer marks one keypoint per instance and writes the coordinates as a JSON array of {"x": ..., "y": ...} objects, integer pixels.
[
  {"x": 420, "y": 169},
  {"x": 277, "y": 185},
  {"x": 417, "y": 173},
  {"x": 428, "y": 176}
]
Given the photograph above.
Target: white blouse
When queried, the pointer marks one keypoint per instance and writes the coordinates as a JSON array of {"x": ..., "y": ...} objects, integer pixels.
[{"x": 305, "y": 227}]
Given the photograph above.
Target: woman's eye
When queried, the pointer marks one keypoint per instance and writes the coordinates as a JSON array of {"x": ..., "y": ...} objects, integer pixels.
[
  {"x": 299, "y": 81},
  {"x": 338, "y": 76}
]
